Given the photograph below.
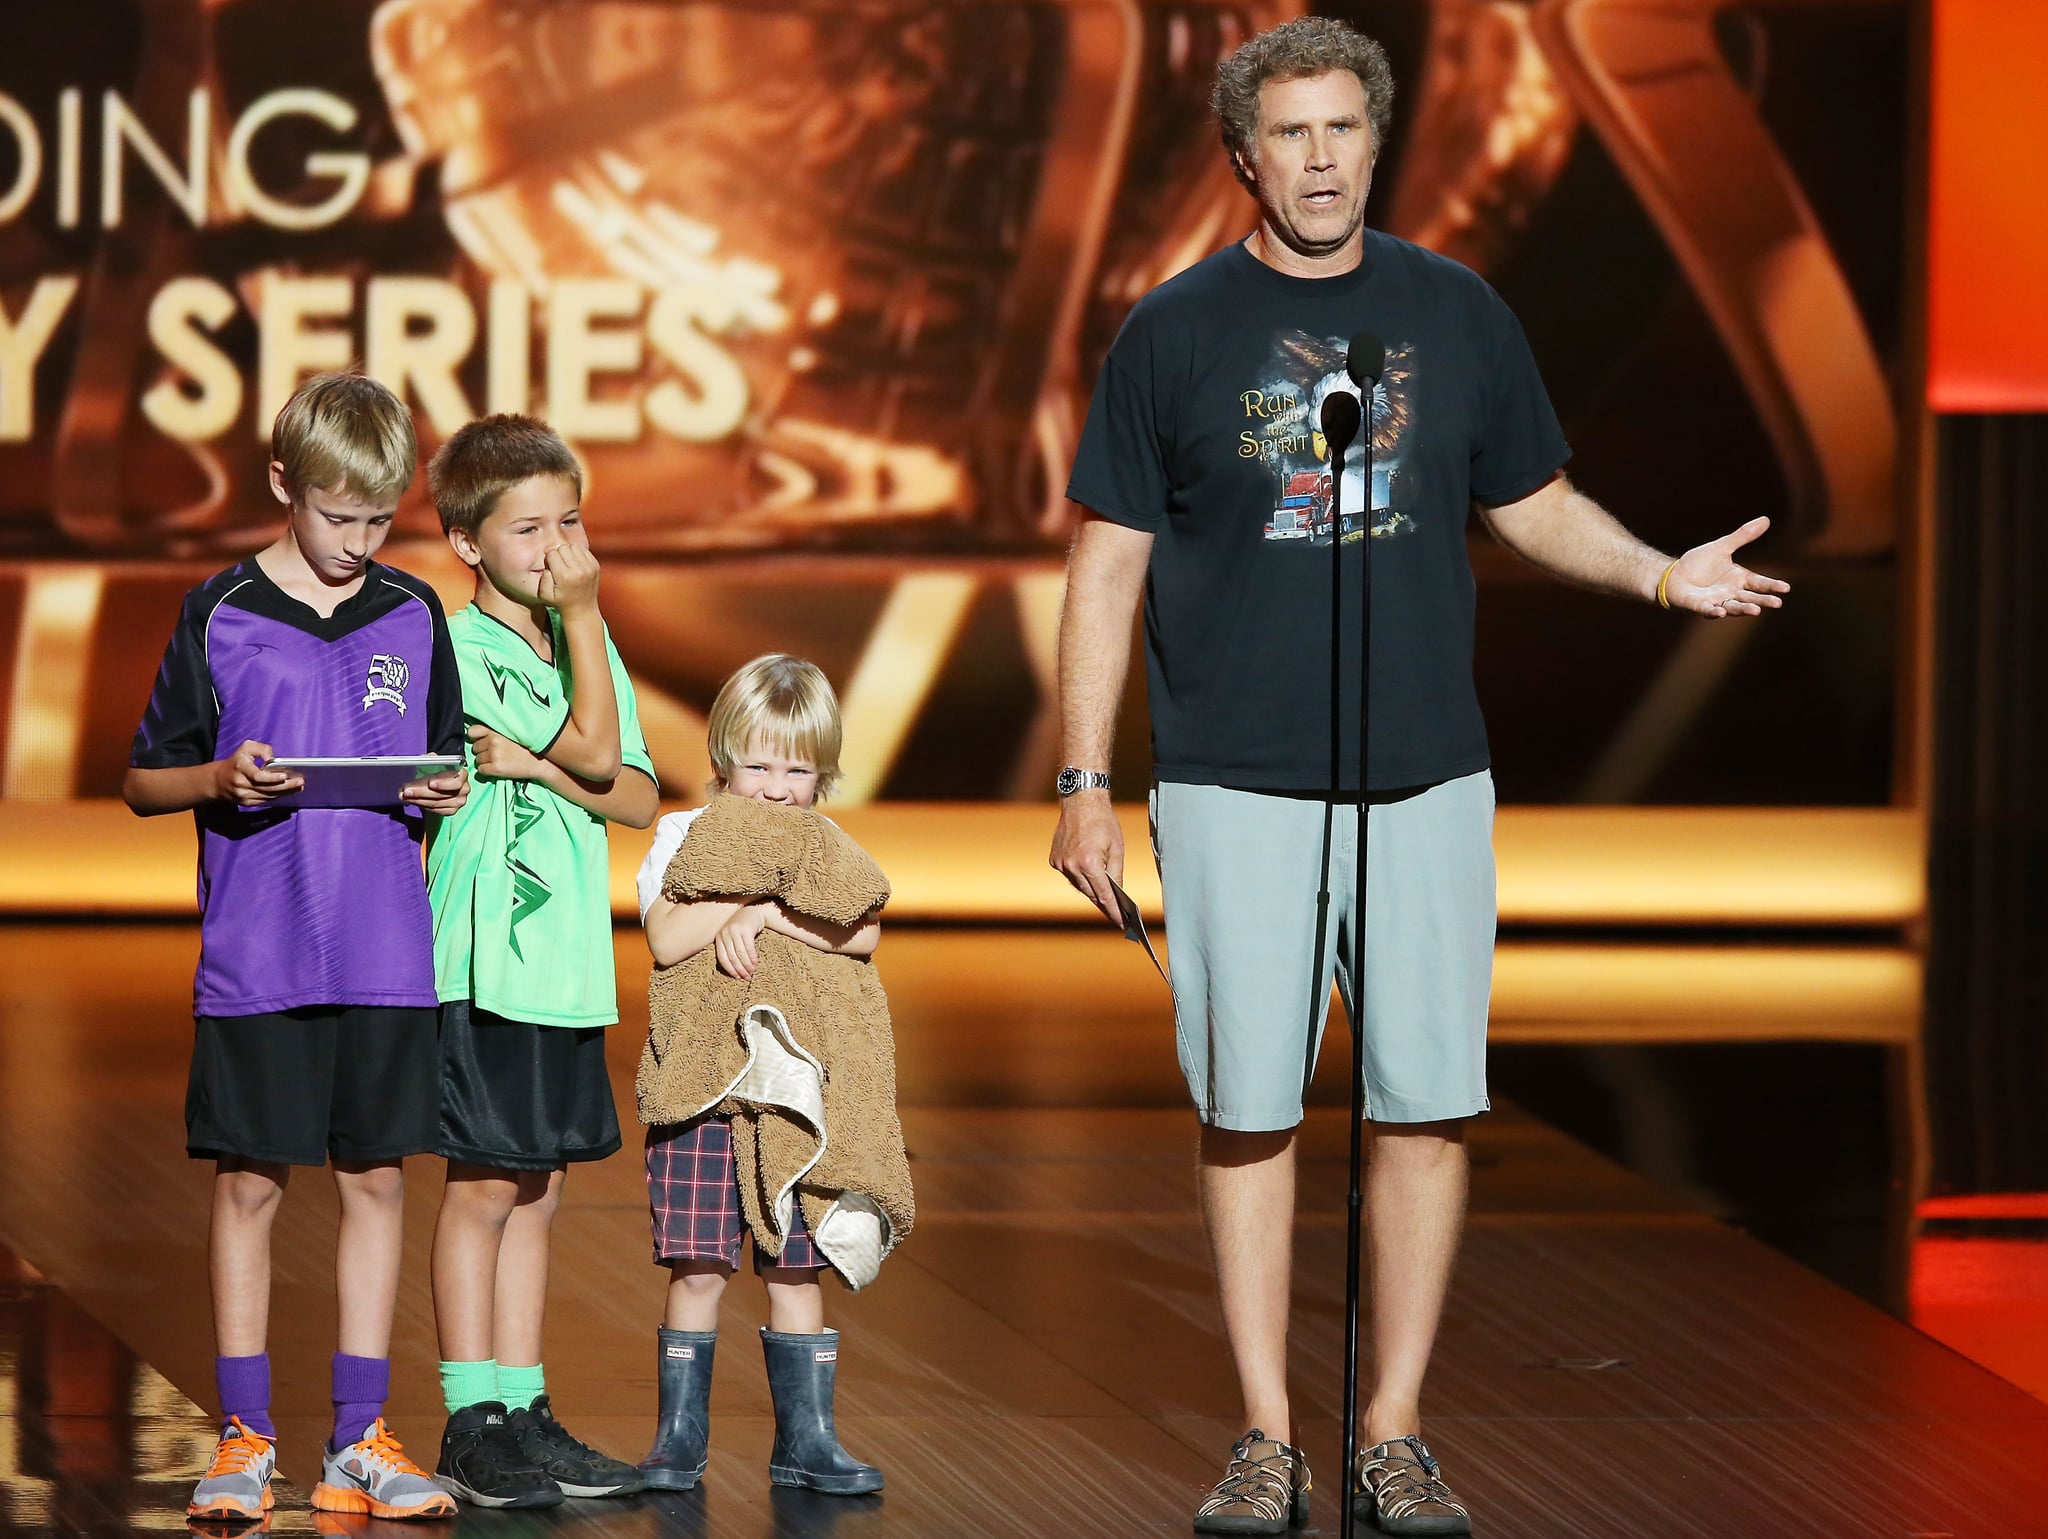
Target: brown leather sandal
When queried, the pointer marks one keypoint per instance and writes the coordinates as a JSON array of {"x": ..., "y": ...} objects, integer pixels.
[
  {"x": 1264, "y": 1491},
  {"x": 1399, "y": 1489}
]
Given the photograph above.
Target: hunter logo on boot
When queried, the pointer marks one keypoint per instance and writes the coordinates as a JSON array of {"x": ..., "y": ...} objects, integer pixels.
[
  {"x": 687, "y": 1354},
  {"x": 829, "y": 1355}
]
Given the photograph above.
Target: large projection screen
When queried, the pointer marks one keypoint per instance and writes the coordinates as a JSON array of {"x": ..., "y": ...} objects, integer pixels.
[{"x": 818, "y": 292}]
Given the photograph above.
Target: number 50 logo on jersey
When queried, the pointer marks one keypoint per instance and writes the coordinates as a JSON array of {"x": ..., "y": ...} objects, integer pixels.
[{"x": 386, "y": 681}]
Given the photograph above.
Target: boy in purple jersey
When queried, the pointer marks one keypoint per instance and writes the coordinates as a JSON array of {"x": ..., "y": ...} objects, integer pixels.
[{"x": 315, "y": 1031}]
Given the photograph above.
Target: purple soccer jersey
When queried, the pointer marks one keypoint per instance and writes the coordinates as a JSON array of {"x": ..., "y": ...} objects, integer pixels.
[{"x": 320, "y": 906}]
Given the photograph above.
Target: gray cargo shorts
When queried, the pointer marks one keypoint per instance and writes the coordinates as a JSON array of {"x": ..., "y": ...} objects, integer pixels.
[{"x": 1240, "y": 871}]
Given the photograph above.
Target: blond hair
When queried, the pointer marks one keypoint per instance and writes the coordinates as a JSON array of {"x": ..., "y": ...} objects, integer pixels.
[
  {"x": 486, "y": 459},
  {"x": 787, "y": 701},
  {"x": 347, "y": 434}
]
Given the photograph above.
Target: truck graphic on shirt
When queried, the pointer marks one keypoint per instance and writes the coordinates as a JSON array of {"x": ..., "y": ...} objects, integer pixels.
[{"x": 1304, "y": 509}]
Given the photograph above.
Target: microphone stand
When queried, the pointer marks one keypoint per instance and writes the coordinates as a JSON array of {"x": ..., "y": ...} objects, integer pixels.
[{"x": 1340, "y": 424}]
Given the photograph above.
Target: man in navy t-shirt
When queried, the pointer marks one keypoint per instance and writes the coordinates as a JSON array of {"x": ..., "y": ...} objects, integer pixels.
[
  {"x": 1207, "y": 488},
  {"x": 314, "y": 1008}
]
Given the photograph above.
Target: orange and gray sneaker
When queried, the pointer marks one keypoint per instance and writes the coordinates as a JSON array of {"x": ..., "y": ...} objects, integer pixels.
[
  {"x": 373, "y": 1475},
  {"x": 236, "y": 1485}
]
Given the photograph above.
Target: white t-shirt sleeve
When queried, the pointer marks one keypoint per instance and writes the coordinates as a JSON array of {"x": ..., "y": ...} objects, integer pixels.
[{"x": 668, "y": 838}]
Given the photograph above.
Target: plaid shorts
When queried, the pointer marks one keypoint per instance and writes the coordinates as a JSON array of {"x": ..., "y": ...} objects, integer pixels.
[{"x": 693, "y": 1196}]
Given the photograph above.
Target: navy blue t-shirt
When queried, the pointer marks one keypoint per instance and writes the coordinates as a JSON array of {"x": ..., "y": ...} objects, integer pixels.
[
  {"x": 1204, "y": 432},
  {"x": 319, "y": 905}
]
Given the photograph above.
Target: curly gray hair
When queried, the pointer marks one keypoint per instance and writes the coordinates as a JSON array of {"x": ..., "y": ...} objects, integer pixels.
[{"x": 1294, "y": 50}]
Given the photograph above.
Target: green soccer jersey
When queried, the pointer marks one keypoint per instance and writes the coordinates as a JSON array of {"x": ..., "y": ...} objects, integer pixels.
[{"x": 518, "y": 879}]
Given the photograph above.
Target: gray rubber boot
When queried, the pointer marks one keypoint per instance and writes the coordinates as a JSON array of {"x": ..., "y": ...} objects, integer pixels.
[
  {"x": 801, "y": 1370},
  {"x": 682, "y": 1432}
]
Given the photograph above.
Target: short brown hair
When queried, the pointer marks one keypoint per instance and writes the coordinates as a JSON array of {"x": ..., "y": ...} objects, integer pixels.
[
  {"x": 345, "y": 433},
  {"x": 790, "y": 703},
  {"x": 1296, "y": 50},
  {"x": 486, "y": 459}
]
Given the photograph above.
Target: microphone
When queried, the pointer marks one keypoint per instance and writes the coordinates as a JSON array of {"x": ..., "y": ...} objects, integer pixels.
[
  {"x": 1365, "y": 360},
  {"x": 1341, "y": 419}
]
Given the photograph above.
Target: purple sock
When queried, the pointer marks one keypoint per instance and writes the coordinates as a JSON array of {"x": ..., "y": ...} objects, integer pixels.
[
  {"x": 244, "y": 1385},
  {"x": 361, "y": 1386}
]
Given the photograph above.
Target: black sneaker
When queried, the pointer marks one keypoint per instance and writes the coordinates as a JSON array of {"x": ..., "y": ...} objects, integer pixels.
[
  {"x": 482, "y": 1462},
  {"x": 566, "y": 1459}
]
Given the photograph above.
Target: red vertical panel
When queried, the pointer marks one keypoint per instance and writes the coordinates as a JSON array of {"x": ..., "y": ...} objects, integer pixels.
[{"x": 1988, "y": 207}]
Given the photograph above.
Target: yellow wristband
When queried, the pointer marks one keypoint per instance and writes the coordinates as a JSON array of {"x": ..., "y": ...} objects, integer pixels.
[{"x": 1663, "y": 587}]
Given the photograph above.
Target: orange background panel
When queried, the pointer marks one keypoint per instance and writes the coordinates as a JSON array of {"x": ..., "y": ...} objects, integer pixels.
[{"x": 1988, "y": 208}]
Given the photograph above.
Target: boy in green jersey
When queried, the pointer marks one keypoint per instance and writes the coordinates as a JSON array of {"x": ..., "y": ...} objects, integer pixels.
[{"x": 519, "y": 884}]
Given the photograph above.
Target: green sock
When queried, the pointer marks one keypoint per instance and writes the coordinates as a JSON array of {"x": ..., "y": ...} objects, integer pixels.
[
  {"x": 520, "y": 1387},
  {"x": 467, "y": 1384}
]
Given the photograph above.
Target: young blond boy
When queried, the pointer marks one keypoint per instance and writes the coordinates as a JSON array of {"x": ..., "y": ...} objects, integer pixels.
[
  {"x": 314, "y": 1005},
  {"x": 522, "y": 946},
  {"x": 774, "y": 737}
]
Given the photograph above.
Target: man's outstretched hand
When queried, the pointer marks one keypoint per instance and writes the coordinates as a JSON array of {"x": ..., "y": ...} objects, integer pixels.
[{"x": 1708, "y": 581}]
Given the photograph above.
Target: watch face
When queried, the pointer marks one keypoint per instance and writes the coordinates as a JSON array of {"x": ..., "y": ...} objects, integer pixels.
[{"x": 1069, "y": 782}]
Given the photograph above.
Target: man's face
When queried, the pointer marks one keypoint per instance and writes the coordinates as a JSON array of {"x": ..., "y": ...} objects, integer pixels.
[
  {"x": 511, "y": 545},
  {"x": 1311, "y": 166}
]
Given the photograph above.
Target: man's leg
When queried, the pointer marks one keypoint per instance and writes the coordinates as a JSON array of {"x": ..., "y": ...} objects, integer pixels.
[
  {"x": 1428, "y": 975},
  {"x": 1247, "y": 1187},
  {"x": 1415, "y": 1210},
  {"x": 1240, "y": 871}
]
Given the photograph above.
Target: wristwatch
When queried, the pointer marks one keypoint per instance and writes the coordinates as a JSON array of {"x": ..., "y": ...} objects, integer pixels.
[{"x": 1071, "y": 780}]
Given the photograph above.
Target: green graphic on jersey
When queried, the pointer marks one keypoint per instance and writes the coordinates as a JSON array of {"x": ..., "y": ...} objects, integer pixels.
[
  {"x": 518, "y": 878},
  {"x": 529, "y": 893},
  {"x": 500, "y": 673}
]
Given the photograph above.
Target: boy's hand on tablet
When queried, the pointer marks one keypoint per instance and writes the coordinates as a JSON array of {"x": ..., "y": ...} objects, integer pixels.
[
  {"x": 442, "y": 794},
  {"x": 737, "y": 944},
  {"x": 246, "y": 779},
  {"x": 499, "y": 758}
]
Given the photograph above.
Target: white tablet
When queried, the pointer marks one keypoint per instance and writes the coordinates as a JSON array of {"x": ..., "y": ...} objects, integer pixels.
[{"x": 365, "y": 782}]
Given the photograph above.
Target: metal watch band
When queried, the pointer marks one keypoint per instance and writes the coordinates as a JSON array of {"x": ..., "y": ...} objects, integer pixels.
[{"x": 1071, "y": 780}]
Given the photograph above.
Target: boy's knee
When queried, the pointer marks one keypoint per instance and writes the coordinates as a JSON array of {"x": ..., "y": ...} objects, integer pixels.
[
  {"x": 380, "y": 1184},
  {"x": 248, "y": 1193},
  {"x": 700, "y": 1281},
  {"x": 540, "y": 1191},
  {"x": 483, "y": 1199}
]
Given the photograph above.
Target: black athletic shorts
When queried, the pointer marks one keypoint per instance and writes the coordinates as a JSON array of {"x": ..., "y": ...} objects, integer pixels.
[
  {"x": 301, "y": 1087},
  {"x": 517, "y": 1096}
]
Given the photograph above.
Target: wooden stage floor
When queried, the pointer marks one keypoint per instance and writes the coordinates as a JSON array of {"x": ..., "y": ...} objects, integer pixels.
[{"x": 1042, "y": 1357}]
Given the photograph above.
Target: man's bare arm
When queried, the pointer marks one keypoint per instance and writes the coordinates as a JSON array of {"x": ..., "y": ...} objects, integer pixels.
[
  {"x": 1572, "y": 537},
  {"x": 1105, "y": 578}
]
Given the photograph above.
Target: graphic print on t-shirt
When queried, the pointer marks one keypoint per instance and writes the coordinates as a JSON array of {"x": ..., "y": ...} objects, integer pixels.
[
  {"x": 1283, "y": 431},
  {"x": 530, "y": 893},
  {"x": 385, "y": 681}
]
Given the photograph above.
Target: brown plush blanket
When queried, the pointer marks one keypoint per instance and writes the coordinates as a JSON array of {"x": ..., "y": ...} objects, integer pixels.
[{"x": 800, "y": 1056}]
